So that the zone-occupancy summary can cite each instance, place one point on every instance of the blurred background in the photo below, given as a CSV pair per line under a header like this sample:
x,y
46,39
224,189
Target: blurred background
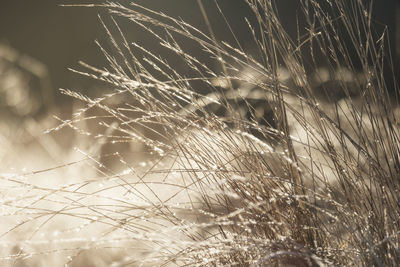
x,y
40,40
58,37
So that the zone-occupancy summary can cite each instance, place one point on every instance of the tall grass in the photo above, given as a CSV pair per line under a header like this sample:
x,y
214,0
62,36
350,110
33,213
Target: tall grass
x,y
261,162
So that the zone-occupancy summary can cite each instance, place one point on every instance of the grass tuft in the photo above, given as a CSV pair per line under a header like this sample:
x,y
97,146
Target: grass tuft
x,y
285,156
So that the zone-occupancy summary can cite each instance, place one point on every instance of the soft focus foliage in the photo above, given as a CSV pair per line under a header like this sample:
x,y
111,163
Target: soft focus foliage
x,y
286,157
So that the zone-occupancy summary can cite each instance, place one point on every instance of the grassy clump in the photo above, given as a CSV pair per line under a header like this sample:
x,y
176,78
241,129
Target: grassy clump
x,y
265,162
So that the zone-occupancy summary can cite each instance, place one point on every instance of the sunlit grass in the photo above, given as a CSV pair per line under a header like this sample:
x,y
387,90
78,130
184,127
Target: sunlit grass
x,y
260,163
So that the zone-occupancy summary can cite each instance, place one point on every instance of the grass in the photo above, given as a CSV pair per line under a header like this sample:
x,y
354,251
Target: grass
x,y
285,156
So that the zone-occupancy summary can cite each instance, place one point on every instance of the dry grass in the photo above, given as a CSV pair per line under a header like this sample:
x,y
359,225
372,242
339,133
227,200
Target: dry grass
x,y
261,163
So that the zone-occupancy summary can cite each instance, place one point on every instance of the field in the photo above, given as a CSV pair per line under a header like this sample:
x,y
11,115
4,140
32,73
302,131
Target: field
x,y
276,150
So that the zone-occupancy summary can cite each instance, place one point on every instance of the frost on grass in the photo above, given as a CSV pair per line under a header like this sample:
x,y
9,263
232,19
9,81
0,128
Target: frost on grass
x,y
260,163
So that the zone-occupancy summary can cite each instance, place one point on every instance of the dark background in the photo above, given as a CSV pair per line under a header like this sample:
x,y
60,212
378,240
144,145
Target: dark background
x,y
61,36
